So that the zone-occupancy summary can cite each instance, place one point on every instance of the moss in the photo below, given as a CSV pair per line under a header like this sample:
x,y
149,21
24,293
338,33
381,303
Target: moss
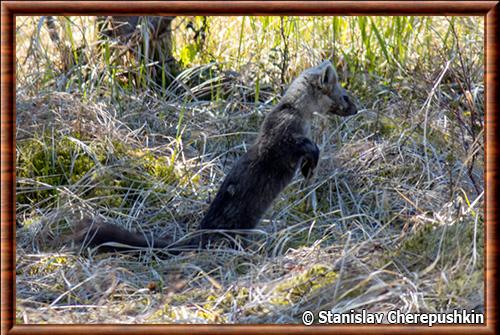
x,y
54,162
214,315
59,161
49,264
19,317
304,237
207,305
300,286
166,312
439,139
158,167
195,295
238,296
421,248
176,306
387,129
216,307
162,168
462,285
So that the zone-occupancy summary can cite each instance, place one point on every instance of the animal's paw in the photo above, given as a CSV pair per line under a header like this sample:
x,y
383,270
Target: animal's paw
x,y
310,160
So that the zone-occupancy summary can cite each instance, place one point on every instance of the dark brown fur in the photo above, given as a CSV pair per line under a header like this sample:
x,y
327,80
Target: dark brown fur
x,y
259,176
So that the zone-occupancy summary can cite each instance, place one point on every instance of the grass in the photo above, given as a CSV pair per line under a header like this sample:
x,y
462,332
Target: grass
x,y
392,220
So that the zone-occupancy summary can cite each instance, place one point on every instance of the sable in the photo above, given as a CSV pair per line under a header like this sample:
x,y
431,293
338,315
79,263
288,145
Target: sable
x,y
260,175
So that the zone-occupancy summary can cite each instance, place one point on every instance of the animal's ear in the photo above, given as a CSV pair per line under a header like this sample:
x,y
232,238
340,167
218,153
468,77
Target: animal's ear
x,y
328,76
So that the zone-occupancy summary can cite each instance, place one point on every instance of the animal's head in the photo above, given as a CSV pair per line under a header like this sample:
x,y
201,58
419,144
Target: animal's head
x,y
323,90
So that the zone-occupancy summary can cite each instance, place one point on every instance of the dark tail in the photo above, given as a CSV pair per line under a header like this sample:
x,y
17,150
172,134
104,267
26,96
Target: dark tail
x,y
108,237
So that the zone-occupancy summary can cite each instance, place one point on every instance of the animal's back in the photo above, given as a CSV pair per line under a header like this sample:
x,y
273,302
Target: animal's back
x,y
249,189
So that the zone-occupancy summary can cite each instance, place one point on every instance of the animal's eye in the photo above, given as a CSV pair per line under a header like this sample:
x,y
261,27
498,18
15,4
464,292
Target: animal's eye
x,y
346,98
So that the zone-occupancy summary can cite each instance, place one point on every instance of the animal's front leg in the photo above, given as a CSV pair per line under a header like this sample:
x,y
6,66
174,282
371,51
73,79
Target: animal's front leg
x,y
310,156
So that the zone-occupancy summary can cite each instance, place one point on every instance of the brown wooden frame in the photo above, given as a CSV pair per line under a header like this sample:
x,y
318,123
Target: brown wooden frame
x,y
488,9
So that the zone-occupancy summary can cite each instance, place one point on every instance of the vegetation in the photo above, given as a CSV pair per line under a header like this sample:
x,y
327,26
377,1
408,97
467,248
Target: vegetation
x,y
393,218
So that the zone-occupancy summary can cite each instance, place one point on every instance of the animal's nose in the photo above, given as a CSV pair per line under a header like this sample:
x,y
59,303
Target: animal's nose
x,y
351,106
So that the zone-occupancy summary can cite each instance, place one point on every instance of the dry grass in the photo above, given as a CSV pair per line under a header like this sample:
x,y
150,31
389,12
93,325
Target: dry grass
x,y
392,220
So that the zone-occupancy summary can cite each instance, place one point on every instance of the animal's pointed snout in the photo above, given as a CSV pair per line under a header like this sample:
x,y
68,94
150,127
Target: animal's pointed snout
x,y
351,105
